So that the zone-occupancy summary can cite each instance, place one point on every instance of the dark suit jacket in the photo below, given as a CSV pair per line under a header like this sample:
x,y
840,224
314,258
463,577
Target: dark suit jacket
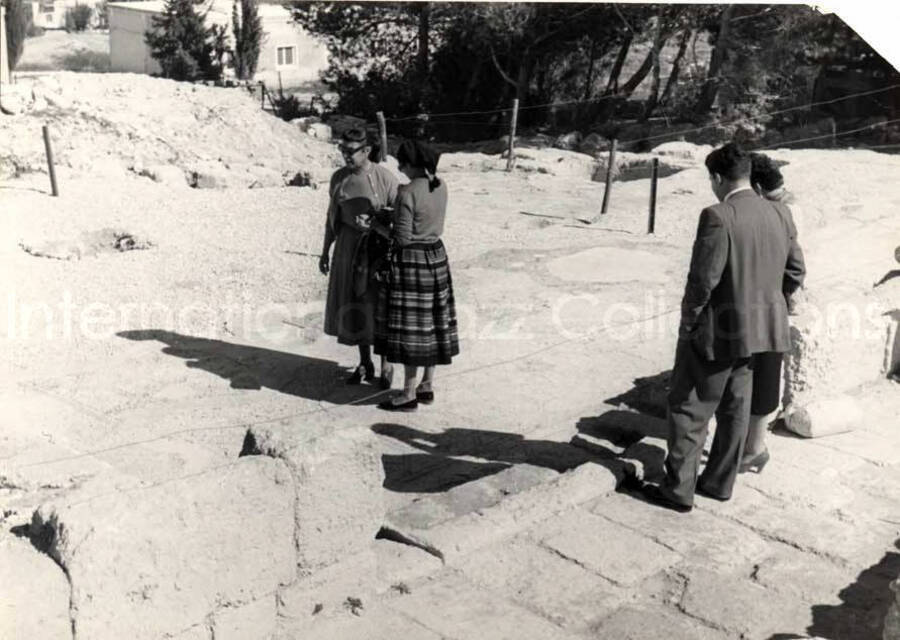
x,y
745,264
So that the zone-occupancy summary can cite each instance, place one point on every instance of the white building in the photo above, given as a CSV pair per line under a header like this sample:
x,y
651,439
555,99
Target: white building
x,y
286,48
51,14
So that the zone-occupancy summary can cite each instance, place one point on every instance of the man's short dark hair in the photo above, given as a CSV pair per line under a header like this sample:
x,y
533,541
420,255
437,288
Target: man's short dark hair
x,y
729,161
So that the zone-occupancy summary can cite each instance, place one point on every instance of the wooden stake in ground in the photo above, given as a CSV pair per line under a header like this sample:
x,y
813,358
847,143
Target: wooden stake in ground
x,y
49,150
609,173
654,176
262,95
382,135
511,152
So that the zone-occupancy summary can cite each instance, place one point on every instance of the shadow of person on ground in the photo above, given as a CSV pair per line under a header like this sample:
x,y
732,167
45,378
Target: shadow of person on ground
x,y
441,468
647,395
255,368
864,604
636,439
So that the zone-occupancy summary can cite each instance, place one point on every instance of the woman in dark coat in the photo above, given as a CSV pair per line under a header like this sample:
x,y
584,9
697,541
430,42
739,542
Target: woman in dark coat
x,y
768,182
416,323
357,191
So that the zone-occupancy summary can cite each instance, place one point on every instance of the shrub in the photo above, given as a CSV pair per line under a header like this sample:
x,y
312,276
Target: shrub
x,y
86,60
288,107
35,31
78,18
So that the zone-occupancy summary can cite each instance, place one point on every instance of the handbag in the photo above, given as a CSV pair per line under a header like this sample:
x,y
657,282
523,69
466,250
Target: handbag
x,y
371,262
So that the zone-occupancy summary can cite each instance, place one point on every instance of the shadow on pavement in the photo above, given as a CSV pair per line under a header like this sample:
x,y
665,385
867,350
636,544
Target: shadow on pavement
x,y
442,468
255,368
864,604
647,395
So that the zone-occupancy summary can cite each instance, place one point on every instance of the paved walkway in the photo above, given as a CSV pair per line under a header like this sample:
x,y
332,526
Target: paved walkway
x,y
530,550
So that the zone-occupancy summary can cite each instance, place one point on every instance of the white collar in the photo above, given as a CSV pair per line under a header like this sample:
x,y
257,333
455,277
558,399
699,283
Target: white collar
x,y
734,191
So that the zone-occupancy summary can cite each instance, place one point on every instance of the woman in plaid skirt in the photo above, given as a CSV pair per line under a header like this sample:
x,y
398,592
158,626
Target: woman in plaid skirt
x,y
416,317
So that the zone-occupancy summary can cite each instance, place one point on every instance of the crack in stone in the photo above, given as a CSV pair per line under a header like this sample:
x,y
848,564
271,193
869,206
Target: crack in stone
x,y
651,537
580,564
771,537
685,581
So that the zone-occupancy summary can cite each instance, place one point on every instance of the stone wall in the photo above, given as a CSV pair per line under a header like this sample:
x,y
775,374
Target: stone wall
x,y
225,553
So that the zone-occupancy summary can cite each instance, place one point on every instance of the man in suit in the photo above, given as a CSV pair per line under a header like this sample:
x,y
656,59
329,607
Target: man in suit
x,y
745,263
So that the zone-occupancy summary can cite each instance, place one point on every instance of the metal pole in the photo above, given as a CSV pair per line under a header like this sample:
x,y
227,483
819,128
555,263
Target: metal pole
x,y
511,155
49,150
609,174
651,221
382,134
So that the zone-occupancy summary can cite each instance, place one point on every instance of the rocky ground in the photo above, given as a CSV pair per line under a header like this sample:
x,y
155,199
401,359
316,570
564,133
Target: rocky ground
x,y
131,380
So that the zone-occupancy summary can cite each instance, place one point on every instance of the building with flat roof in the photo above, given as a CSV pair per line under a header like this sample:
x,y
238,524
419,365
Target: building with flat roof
x,y
286,48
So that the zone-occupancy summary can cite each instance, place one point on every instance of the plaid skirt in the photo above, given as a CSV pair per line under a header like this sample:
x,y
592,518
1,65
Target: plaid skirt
x,y
415,320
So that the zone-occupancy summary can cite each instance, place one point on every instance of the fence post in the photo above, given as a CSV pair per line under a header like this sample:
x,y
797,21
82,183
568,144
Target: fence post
x,y
510,158
382,134
609,175
49,150
651,221
262,95
280,86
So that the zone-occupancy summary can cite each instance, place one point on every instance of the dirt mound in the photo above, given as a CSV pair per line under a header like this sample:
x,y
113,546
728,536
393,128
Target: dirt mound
x,y
108,124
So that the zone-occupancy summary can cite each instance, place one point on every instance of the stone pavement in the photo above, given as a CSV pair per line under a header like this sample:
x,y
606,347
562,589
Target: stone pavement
x,y
497,543
502,518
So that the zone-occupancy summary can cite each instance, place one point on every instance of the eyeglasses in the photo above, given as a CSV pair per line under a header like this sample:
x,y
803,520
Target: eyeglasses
x,y
349,152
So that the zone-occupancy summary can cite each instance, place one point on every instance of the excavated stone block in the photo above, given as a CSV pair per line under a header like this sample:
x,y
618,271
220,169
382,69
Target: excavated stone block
x,y
154,561
837,345
823,417
339,476
839,342
319,130
34,594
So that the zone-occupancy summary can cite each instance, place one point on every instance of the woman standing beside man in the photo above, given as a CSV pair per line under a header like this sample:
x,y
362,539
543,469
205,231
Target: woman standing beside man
x,y
768,182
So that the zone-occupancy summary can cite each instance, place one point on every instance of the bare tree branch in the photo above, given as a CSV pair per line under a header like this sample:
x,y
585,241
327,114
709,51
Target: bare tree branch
x,y
502,73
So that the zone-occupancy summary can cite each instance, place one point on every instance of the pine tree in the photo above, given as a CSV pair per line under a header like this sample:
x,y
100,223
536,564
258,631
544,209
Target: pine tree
x,y
248,37
18,20
182,44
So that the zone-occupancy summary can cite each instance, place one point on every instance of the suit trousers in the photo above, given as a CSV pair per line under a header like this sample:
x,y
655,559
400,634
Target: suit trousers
x,y
699,389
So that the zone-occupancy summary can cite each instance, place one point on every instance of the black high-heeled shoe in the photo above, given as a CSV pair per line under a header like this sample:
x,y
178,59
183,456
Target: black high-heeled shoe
x,y
756,463
362,372
425,397
389,405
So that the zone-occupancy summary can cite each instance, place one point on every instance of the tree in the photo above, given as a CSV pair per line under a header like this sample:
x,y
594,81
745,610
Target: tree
x,y
78,18
248,37
18,21
182,44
